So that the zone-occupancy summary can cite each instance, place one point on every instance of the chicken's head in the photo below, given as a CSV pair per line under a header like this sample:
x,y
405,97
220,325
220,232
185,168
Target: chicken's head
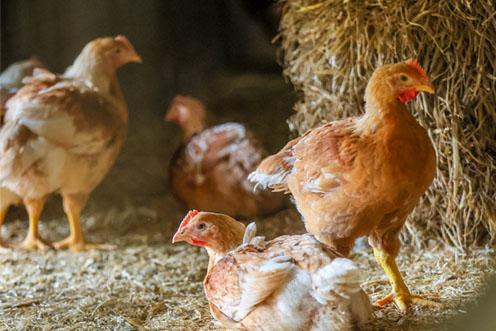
x,y
187,112
114,52
401,81
218,232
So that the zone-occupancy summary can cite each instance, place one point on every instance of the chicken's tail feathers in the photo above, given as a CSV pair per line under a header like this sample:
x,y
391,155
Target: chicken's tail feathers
x,y
340,281
274,170
250,237
250,233
276,182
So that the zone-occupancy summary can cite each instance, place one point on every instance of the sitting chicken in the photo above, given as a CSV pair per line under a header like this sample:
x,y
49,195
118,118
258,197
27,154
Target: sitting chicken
x,y
209,170
63,133
10,82
289,283
362,175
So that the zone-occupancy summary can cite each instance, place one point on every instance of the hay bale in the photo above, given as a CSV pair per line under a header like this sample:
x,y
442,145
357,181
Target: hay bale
x,y
331,47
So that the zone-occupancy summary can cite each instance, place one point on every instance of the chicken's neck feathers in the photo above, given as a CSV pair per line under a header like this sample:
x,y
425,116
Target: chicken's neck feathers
x,y
92,69
192,128
382,112
101,77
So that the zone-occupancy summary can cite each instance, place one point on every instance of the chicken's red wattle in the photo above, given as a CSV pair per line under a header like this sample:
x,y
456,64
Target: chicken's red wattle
x,y
407,95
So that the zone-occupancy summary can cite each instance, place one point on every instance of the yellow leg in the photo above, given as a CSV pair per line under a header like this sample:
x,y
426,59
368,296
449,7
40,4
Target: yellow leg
x,y
33,240
400,293
73,204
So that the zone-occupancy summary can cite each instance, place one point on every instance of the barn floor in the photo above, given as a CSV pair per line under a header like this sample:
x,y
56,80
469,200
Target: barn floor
x,y
146,283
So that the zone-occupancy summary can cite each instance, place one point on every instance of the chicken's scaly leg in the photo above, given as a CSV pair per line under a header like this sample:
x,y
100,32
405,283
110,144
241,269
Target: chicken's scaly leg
x,y
73,204
400,293
33,240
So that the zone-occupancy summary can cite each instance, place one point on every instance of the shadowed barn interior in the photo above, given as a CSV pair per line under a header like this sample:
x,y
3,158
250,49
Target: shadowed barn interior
x,y
221,52
217,51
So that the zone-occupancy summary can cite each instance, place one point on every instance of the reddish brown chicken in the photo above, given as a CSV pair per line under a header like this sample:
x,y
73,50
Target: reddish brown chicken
x,y
63,133
209,170
362,176
289,283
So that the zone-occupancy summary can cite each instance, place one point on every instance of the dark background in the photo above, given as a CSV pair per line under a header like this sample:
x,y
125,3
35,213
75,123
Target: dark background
x,y
217,50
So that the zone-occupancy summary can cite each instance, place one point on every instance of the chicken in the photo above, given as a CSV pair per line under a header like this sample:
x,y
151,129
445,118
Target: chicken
x,y
289,283
63,133
12,76
209,170
11,81
362,176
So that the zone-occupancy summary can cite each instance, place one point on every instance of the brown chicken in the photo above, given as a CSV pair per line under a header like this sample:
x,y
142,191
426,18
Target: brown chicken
x,y
289,283
362,176
63,133
209,170
10,82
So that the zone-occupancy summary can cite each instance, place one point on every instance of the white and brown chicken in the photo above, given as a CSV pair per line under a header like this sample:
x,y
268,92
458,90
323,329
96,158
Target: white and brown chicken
x,y
63,133
288,283
209,170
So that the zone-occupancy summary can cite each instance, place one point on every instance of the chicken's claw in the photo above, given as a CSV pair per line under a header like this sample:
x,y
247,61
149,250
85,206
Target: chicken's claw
x,y
404,302
81,245
32,244
381,303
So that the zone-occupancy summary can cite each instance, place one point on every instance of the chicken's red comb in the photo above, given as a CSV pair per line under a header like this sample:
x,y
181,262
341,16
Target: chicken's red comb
x,y
412,63
189,216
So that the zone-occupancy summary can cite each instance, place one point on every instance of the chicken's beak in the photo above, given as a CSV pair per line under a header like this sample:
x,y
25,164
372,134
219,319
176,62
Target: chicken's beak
x,y
135,58
425,88
178,237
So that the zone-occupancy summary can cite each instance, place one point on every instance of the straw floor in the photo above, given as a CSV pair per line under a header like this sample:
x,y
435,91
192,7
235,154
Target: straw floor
x,y
146,283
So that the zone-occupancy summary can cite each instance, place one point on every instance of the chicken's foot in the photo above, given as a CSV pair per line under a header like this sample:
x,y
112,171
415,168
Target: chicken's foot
x,y
418,299
73,205
400,295
77,244
33,240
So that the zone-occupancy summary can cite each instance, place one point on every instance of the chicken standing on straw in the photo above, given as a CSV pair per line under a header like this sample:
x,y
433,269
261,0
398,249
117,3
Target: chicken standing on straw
x,y
63,133
10,82
210,168
289,283
362,176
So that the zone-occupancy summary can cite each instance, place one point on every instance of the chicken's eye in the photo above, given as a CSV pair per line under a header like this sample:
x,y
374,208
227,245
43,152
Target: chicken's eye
x,y
118,50
403,78
201,226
